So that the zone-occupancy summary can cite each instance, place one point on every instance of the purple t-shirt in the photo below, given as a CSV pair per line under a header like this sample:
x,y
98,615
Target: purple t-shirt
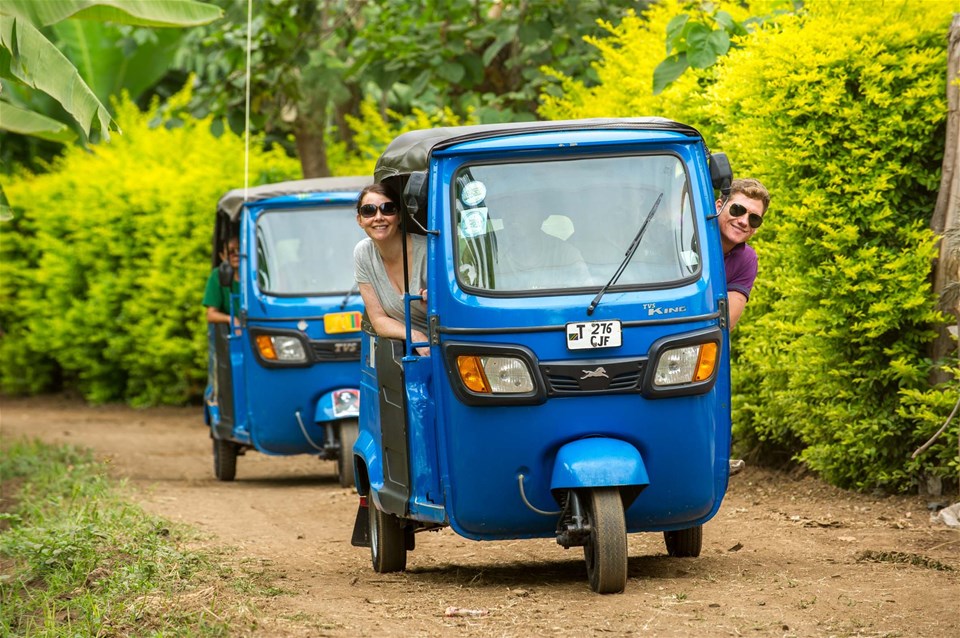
x,y
741,266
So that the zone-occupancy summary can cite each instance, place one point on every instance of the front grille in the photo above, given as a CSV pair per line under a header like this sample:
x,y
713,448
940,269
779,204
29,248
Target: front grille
x,y
348,350
593,376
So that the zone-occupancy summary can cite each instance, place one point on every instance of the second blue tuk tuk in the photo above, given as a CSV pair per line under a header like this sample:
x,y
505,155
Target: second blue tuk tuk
x,y
578,379
284,378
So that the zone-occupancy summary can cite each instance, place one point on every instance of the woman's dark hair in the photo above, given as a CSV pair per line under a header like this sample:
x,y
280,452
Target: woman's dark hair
x,y
379,189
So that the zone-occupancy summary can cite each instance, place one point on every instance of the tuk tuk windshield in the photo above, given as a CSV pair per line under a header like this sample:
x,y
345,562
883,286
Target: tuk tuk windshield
x,y
568,223
307,251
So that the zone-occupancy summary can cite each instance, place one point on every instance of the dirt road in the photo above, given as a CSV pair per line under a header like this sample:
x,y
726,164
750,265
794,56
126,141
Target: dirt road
x,y
785,556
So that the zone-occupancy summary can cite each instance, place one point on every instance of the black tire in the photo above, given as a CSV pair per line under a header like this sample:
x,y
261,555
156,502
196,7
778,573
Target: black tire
x,y
684,543
606,551
349,430
224,459
388,546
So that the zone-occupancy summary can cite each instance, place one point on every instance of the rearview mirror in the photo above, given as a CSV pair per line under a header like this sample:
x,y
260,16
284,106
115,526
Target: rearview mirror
x,y
225,273
721,174
415,193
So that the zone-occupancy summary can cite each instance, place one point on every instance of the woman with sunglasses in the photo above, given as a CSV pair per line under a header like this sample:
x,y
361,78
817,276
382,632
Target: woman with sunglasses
x,y
740,215
378,261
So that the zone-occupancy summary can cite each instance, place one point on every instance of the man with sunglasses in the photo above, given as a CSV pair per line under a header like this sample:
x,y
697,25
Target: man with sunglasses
x,y
216,297
740,215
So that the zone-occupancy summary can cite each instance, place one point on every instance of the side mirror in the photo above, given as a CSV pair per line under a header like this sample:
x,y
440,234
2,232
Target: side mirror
x,y
225,274
721,175
415,193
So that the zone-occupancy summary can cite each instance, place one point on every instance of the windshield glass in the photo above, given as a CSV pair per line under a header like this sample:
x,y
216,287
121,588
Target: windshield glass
x,y
566,224
307,251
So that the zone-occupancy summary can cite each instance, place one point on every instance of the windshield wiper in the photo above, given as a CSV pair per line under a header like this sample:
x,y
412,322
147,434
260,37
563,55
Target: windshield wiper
x,y
628,256
350,293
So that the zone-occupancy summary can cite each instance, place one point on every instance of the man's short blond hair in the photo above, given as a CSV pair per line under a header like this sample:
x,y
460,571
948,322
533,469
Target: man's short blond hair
x,y
753,189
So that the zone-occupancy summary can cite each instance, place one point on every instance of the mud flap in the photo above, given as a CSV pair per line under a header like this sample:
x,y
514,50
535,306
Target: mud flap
x,y
361,526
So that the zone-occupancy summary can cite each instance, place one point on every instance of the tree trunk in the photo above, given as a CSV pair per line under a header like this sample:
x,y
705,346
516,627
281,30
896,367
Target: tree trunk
x,y
311,149
340,111
945,222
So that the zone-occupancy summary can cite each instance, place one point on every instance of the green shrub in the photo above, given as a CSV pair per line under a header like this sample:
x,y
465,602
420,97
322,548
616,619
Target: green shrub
x,y
847,127
105,261
840,109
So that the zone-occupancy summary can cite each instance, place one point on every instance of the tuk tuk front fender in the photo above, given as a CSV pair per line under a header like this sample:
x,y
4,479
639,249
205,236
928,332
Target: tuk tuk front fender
x,y
368,466
600,462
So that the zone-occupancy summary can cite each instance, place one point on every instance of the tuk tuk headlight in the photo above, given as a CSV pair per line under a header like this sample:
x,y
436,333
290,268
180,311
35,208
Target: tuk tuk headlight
x,y
686,364
494,375
281,348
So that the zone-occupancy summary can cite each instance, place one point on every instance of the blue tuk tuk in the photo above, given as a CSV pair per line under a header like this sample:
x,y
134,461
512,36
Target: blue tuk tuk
x,y
284,376
578,378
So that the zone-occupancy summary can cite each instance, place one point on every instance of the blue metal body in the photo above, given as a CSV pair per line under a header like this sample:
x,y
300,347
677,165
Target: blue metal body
x,y
466,460
283,410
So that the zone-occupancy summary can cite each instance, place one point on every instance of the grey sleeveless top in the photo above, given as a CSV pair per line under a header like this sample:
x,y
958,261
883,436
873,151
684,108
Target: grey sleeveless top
x,y
369,269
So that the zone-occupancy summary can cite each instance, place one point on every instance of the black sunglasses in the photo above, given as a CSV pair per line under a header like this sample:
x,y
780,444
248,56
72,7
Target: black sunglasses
x,y
739,210
387,208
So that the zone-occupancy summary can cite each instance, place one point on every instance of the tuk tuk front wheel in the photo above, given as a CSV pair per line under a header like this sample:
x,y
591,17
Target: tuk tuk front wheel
x,y
606,549
349,430
388,547
224,459
684,543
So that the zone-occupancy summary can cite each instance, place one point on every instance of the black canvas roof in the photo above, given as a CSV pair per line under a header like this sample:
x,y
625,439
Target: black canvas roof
x,y
411,151
231,203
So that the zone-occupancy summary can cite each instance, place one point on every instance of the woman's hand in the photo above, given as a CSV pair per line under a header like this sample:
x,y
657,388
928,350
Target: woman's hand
x,y
419,337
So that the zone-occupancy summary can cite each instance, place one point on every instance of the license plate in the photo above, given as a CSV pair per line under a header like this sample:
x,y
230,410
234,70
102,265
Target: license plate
x,y
587,335
337,322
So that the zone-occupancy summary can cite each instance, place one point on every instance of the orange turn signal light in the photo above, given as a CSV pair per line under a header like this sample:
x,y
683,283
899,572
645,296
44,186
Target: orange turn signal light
x,y
472,375
265,345
706,362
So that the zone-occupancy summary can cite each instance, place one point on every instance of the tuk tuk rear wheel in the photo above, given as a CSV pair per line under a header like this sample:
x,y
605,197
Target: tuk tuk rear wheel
x,y
349,430
224,459
606,549
684,543
388,547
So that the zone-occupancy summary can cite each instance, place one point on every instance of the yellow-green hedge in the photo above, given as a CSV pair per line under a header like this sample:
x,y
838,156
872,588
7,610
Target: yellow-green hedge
x,y
105,261
840,109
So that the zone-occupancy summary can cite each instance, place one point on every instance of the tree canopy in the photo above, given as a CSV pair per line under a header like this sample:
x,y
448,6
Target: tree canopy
x,y
314,61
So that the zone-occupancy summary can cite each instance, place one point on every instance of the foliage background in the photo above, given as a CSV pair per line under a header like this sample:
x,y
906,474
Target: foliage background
x,y
107,255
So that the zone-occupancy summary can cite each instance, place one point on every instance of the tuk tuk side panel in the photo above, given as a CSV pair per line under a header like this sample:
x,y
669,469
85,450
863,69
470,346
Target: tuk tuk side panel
x,y
368,447
237,392
218,395
403,474
427,497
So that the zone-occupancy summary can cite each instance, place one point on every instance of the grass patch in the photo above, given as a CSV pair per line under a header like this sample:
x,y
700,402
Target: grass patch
x,y
76,559
903,558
